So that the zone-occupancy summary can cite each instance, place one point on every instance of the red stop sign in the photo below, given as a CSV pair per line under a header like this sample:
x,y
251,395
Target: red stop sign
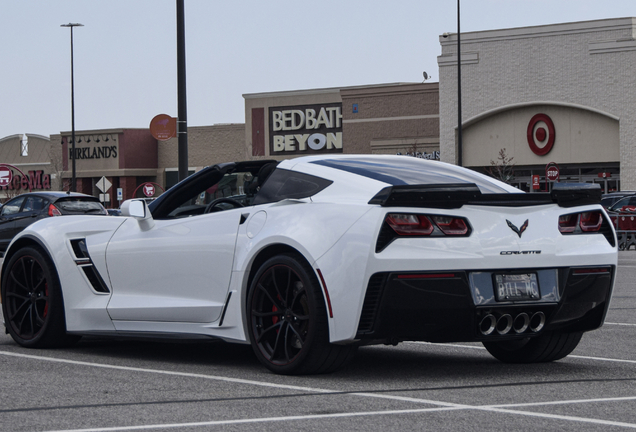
x,y
552,173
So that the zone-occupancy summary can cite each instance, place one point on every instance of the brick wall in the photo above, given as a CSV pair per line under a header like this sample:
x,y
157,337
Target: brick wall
x,y
399,116
207,145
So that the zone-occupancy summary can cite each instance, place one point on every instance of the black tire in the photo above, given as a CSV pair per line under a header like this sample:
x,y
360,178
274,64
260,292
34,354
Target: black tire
x,y
32,302
545,348
287,320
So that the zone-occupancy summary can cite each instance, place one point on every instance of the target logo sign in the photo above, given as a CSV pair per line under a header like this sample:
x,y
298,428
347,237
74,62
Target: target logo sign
x,y
541,134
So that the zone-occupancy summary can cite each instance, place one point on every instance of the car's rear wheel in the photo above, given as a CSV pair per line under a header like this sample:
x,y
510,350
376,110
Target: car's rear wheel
x,y
545,348
32,301
287,319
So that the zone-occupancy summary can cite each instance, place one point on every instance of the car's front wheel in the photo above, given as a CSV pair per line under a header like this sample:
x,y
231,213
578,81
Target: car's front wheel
x,y
545,348
32,301
288,319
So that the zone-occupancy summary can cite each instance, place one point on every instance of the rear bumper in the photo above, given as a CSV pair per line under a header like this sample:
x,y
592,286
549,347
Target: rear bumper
x,y
461,306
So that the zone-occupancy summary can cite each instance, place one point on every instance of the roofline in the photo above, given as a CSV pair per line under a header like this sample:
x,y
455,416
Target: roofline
x,y
329,90
625,23
497,110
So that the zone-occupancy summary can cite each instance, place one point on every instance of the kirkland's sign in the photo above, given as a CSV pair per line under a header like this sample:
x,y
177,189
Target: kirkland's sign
x,y
104,152
305,129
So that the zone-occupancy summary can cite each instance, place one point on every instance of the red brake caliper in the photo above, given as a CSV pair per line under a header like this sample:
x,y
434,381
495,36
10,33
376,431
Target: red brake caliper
x,y
274,318
46,305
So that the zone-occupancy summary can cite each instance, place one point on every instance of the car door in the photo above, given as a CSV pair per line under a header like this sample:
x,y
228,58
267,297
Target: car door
x,y
8,215
177,271
32,210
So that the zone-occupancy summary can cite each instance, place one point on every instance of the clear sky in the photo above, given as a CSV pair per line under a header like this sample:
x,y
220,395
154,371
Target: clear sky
x,y
125,55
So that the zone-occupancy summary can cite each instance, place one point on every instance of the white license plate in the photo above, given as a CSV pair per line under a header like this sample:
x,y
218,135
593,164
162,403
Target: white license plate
x,y
510,287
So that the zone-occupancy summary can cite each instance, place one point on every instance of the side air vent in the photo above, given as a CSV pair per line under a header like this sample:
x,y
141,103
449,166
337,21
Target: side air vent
x,y
83,261
371,303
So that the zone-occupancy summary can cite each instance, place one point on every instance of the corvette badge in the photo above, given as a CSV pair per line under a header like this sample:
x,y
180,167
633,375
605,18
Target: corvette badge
x,y
519,231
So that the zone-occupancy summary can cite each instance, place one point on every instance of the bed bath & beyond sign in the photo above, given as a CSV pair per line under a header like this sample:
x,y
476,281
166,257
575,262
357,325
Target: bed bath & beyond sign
x,y
306,129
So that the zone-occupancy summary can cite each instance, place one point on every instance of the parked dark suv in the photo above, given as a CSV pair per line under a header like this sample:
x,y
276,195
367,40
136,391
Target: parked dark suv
x,y
21,211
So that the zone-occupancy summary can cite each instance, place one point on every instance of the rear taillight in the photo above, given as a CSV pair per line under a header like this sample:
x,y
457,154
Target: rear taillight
x,y
54,211
567,223
591,221
425,225
451,225
420,225
409,224
587,222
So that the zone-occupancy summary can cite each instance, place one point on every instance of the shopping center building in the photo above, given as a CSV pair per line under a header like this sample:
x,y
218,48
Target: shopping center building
x,y
561,94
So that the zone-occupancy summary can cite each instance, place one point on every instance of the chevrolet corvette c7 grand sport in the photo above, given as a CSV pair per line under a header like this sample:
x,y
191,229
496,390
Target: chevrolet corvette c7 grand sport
x,y
309,258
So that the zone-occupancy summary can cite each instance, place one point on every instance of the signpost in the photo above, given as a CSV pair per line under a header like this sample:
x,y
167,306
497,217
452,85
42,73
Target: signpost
x,y
149,190
103,185
552,172
163,127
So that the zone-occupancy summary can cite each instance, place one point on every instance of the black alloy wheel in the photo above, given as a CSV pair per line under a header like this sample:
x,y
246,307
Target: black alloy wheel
x,y
32,301
287,316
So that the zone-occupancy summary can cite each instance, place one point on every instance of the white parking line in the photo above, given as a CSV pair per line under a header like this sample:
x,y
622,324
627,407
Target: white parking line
x,y
503,409
569,356
493,408
621,324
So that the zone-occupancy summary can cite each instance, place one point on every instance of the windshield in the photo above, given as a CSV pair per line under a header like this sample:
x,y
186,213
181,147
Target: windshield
x,y
233,186
620,204
214,188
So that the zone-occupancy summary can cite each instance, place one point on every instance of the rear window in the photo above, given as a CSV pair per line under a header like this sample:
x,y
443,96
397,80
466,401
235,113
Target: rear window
x,y
412,171
284,184
79,206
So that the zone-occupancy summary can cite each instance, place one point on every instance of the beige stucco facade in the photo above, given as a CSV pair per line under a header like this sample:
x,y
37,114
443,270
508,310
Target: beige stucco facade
x,y
584,136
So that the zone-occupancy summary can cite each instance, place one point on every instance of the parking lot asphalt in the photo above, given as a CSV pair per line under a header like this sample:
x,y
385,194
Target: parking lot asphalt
x,y
121,385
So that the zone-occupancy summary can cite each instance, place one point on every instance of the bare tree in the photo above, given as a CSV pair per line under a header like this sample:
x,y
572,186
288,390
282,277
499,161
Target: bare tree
x,y
414,151
503,168
57,168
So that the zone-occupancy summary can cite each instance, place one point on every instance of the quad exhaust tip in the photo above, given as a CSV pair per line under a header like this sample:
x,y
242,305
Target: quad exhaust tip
x,y
521,323
506,323
537,322
488,325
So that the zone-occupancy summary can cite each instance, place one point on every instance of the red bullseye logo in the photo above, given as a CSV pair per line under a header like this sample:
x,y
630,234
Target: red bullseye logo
x,y
541,134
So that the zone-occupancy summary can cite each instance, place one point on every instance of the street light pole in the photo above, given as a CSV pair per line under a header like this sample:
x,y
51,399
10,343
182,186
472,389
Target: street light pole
x,y
73,179
459,94
182,114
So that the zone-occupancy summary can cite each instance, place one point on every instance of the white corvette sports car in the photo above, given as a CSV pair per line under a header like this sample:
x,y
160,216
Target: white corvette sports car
x,y
309,258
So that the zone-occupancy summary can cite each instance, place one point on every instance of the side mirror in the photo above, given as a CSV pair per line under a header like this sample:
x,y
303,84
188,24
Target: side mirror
x,y
138,209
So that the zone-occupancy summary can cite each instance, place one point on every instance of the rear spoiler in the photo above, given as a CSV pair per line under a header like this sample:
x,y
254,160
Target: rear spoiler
x,y
454,196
